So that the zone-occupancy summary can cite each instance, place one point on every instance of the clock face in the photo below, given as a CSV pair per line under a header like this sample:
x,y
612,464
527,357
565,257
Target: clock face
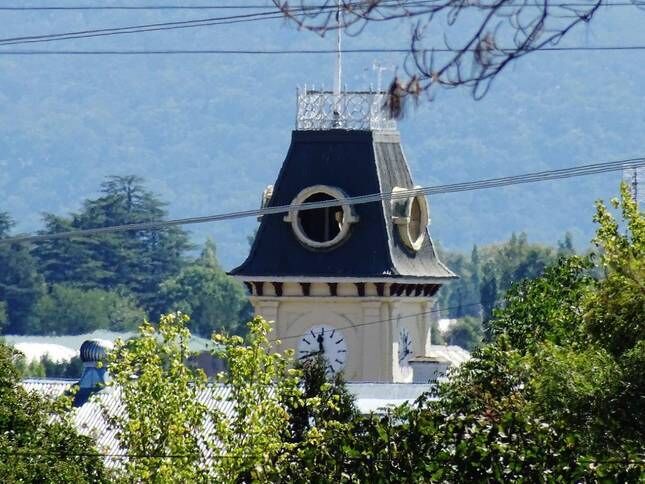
x,y
326,341
405,347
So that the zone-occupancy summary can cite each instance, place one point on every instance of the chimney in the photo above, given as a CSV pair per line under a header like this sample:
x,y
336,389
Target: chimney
x,y
428,369
95,375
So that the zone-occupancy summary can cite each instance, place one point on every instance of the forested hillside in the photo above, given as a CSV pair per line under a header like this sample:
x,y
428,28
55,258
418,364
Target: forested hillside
x,y
208,132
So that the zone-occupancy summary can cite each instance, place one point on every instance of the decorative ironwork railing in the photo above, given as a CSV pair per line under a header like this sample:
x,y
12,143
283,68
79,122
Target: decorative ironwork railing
x,y
321,110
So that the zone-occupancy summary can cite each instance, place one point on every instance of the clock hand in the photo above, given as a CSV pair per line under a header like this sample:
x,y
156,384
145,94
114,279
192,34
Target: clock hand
x,y
320,340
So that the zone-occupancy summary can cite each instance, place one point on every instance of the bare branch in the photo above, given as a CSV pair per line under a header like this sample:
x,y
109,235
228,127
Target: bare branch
x,y
482,37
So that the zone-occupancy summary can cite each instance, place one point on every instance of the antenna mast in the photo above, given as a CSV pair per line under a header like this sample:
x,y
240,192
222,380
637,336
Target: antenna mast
x,y
339,59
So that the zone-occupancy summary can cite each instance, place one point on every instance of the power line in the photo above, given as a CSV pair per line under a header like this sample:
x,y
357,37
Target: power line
x,y
297,51
231,19
369,323
140,7
267,7
582,170
241,18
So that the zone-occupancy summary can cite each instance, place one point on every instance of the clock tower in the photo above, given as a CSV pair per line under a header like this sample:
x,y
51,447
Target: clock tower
x,y
354,283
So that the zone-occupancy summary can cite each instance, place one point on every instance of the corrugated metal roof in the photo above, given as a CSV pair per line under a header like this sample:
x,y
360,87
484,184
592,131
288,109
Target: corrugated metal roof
x,y
90,419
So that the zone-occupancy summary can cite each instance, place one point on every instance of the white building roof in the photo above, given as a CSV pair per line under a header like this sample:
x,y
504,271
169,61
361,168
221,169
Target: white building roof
x,y
64,348
456,355
54,352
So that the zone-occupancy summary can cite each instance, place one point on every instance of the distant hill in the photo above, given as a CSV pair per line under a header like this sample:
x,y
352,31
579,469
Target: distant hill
x,y
210,132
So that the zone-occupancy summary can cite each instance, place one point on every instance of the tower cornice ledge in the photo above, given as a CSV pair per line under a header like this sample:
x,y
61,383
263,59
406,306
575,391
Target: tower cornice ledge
x,y
351,280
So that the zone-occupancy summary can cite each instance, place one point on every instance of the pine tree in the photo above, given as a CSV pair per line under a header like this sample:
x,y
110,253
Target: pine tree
x,y
134,261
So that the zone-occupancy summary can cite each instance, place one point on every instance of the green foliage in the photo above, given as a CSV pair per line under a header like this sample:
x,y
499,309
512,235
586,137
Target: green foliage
x,y
214,300
618,303
162,415
435,335
49,368
20,283
255,437
111,281
38,442
326,399
6,223
490,271
545,308
71,310
552,397
135,260
467,332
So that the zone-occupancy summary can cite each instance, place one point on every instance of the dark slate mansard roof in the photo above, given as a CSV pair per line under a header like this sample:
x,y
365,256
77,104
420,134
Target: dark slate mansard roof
x,y
359,163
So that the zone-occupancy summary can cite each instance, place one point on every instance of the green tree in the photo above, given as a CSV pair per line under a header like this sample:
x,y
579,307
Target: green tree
x,y
255,435
20,283
208,256
214,300
488,291
565,247
326,399
467,332
38,442
72,310
5,224
163,416
436,337
49,368
490,271
135,260
70,260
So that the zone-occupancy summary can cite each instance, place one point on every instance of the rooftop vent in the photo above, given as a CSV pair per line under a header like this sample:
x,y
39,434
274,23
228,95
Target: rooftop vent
x,y
95,375
357,110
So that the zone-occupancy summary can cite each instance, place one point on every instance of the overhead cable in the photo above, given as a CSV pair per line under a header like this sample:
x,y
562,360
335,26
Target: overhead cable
x,y
272,7
299,51
82,34
387,320
582,170
180,24
241,18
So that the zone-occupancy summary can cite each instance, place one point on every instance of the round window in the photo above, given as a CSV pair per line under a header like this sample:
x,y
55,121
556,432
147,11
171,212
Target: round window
x,y
321,227
410,214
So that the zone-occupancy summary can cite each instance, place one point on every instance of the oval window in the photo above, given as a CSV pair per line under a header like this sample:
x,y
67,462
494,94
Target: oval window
x,y
410,214
321,224
322,227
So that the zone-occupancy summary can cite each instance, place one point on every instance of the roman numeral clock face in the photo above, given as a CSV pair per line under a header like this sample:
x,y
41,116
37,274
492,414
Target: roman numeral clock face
x,y
327,342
